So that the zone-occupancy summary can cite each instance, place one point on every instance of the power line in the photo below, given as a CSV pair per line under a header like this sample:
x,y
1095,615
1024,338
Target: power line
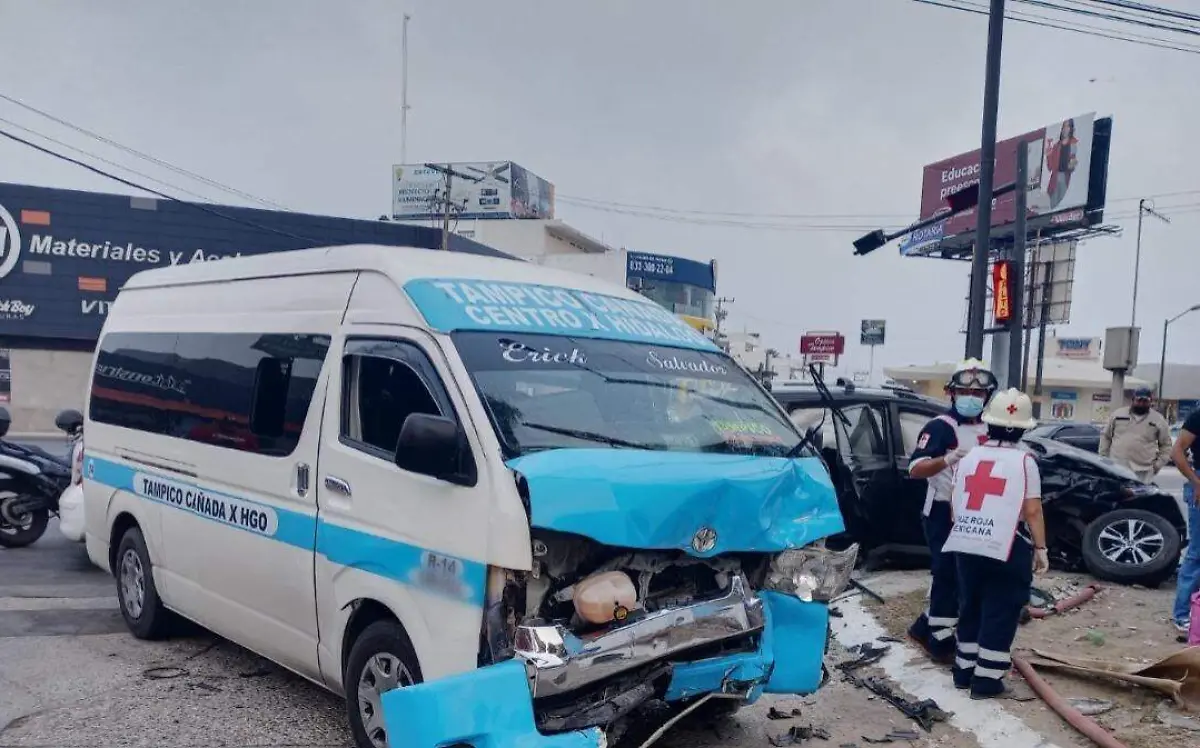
x,y
101,159
139,154
1046,22
1149,9
1112,17
152,191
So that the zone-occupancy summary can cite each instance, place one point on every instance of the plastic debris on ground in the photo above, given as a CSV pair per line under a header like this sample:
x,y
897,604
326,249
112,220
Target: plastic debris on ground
x,y
776,713
798,734
924,712
1091,707
894,736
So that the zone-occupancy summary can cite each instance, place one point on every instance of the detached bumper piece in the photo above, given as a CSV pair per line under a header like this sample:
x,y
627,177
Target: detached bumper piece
x,y
485,708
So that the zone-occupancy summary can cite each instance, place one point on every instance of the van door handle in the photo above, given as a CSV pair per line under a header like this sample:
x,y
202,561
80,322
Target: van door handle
x,y
337,484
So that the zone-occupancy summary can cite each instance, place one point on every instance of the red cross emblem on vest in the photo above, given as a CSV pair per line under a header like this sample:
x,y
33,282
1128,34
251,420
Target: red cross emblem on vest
x,y
982,484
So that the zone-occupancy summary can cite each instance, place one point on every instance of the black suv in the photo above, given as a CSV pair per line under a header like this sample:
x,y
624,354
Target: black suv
x,y
1099,517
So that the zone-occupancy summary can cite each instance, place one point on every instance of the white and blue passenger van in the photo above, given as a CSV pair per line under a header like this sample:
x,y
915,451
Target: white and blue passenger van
x,y
490,503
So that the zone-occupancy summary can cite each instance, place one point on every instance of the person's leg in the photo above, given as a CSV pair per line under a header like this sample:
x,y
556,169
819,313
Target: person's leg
x,y
971,585
943,593
1006,596
1188,580
934,629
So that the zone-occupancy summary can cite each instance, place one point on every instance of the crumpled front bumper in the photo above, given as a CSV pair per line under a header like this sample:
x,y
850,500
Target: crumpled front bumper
x,y
492,707
486,708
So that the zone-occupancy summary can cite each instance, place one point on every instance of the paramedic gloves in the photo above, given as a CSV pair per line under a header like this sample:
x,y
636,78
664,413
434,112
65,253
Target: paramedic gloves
x,y
1041,561
953,458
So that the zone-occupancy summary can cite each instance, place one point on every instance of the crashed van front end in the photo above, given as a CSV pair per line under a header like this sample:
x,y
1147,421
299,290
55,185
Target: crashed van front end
x,y
657,577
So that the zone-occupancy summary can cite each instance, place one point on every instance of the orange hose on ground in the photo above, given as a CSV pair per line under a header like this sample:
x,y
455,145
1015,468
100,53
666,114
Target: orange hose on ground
x,y
1085,725
1081,597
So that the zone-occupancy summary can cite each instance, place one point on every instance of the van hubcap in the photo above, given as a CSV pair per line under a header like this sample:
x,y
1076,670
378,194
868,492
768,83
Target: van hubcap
x,y
1131,541
382,673
133,584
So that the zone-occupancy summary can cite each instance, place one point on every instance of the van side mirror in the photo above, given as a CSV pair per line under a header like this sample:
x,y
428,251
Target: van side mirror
x,y
69,421
433,445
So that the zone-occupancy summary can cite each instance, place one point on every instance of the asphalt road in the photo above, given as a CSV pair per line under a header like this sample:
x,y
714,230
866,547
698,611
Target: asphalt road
x,y
72,677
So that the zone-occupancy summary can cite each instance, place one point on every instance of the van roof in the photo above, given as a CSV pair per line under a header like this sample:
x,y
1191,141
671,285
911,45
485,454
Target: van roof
x,y
401,264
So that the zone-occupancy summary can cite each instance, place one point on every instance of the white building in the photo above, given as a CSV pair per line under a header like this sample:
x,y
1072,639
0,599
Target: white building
x,y
1075,384
749,350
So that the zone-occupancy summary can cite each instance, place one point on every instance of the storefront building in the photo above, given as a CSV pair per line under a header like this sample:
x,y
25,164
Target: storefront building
x,y
686,287
64,254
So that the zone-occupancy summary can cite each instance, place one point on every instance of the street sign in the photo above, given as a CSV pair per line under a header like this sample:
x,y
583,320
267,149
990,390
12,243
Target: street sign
x,y
874,332
822,347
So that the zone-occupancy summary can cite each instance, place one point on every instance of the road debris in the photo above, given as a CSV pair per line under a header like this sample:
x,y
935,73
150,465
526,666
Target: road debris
x,y
894,736
1177,675
798,734
164,673
1085,725
1092,636
1171,719
925,712
1090,707
867,591
776,713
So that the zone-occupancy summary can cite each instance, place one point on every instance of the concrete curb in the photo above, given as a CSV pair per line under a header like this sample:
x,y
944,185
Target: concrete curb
x,y
38,435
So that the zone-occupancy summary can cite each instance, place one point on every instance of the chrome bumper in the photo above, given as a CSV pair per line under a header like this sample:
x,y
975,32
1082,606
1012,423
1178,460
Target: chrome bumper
x,y
557,661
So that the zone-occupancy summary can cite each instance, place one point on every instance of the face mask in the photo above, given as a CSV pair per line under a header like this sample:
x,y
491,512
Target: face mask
x,y
968,406
1140,410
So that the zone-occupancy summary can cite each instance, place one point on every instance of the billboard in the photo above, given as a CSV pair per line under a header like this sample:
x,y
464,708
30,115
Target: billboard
x,y
644,266
64,254
822,347
1067,168
479,190
873,332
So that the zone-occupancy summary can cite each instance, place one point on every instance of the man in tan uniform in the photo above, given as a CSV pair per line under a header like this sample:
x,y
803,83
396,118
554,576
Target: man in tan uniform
x,y
1138,438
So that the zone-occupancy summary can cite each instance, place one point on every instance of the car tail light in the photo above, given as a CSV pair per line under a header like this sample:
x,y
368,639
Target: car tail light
x,y
77,464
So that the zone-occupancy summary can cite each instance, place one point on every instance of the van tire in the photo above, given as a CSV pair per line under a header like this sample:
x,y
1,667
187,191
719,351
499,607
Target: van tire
x,y
141,607
383,649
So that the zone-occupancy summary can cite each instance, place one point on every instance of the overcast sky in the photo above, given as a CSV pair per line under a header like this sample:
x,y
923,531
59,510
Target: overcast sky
x,y
821,107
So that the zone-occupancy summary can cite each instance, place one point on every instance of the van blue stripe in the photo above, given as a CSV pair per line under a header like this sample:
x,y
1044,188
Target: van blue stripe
x,y
460,579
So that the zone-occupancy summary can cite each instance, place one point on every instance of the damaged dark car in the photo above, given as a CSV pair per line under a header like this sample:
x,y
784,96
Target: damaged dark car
x,y
1099,517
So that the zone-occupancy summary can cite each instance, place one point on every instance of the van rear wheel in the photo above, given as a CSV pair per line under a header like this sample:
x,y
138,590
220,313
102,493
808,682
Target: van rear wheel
x,y
141,606
381,659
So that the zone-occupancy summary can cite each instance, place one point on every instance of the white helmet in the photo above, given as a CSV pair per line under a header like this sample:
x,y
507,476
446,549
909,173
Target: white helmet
x,y
972,374
1010,409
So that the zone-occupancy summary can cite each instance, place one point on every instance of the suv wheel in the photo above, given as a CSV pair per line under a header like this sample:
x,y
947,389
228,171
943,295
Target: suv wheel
x,y
1131,546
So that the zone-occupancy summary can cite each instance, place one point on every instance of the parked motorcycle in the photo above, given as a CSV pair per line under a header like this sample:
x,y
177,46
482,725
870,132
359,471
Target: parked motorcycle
x,y
31,481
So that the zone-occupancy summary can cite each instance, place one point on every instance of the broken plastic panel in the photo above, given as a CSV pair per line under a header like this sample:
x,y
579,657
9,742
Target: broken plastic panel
x,y
812,573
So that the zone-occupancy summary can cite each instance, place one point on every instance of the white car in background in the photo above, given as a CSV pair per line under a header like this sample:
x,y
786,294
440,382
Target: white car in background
x,y
70,503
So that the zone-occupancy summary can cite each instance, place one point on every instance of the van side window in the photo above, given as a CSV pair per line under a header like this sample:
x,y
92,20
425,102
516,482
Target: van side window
x,y
245,391
384,382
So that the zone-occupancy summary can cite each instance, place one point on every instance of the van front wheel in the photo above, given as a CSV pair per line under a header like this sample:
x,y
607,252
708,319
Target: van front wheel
x,y
381,659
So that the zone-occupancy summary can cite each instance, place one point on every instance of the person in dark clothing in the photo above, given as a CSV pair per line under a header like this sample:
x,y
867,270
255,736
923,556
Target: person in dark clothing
x,y
943,442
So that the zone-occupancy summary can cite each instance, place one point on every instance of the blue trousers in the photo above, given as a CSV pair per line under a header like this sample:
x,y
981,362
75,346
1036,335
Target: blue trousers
x,y
993,593
1189,571
934,629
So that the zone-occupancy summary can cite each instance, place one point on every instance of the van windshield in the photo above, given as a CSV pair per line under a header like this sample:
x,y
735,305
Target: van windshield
x,y
550,392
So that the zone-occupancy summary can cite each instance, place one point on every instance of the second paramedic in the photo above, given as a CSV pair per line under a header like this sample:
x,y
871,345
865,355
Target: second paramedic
x,y
943,442
999,542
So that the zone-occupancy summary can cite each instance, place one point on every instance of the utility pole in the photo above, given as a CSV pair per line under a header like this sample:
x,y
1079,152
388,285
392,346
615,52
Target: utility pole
x,y
1016,322
447,204
404,90
719,315
987,164
1143,209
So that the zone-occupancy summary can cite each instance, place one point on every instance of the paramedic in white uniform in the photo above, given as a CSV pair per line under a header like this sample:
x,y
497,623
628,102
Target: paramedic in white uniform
x,y
999,541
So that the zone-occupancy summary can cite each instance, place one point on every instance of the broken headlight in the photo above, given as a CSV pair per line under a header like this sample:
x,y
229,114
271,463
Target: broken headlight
x,y
812,573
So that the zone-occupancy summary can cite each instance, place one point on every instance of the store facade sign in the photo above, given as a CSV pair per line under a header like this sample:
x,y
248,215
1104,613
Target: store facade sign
x,y
481,190
1001,291
64,254
1078,347
1062,405
822,347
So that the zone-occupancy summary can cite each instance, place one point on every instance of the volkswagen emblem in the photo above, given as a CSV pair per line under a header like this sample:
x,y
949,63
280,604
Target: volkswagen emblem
x,y
704,540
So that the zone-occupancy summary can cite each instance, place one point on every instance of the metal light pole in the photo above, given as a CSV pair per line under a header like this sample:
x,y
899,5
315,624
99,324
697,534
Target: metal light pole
x,y
404,90
1162,361
1137,257
1016,323
987,164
